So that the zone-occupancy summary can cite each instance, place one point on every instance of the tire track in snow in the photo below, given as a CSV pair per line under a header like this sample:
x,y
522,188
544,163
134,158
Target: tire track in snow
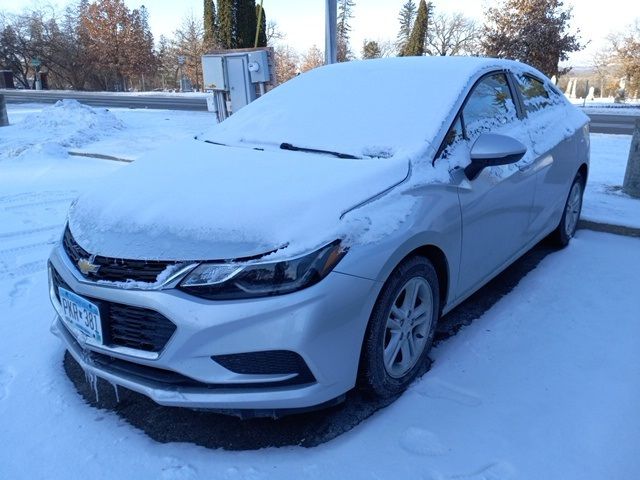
x,y
436,388
494,471
9,199
26,233
25,248
38,204
24,269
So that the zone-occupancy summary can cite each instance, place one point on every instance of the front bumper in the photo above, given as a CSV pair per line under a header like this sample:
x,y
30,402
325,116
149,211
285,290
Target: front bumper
x,y
324,324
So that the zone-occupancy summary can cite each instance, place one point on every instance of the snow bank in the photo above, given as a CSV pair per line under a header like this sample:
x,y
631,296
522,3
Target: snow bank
x,y
56,128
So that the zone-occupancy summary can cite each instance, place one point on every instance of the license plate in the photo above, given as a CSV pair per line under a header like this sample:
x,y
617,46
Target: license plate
x,y
81,315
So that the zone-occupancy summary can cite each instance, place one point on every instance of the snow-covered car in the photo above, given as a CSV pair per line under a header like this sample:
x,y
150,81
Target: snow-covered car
x,y
310,243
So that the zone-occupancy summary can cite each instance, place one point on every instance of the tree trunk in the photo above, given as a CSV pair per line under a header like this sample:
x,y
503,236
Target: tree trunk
x,y
631,185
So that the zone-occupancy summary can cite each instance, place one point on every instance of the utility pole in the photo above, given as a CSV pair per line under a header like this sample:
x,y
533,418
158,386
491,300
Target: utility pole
x,y
330,41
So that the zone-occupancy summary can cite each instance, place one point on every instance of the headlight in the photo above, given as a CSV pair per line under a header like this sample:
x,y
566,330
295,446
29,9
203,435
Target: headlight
x,y
229,281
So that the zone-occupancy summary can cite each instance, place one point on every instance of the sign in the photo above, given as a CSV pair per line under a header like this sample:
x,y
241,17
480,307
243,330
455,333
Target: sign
x,y
181,59
35,62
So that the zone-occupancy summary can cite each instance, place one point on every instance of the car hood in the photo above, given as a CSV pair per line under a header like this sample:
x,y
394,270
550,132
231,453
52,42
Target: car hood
x,y
199,201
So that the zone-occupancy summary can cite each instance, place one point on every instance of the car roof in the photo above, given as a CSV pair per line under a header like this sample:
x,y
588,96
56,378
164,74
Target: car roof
x,y
367,108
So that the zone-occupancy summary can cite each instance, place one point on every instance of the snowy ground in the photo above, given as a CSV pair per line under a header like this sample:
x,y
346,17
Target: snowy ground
x,y
604,201
543,386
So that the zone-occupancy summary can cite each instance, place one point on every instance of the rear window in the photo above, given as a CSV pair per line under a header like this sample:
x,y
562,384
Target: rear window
x,y
534,93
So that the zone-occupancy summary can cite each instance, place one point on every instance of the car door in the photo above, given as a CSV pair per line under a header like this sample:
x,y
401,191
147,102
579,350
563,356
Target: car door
x,y
554,167
496,205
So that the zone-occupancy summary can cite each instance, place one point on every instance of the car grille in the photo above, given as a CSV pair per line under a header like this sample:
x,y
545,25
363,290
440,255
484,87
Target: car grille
x,y
270,362
174,379
126,325
114,269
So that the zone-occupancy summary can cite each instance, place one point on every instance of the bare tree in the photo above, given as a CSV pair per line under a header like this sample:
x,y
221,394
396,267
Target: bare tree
x,y
602,66
387,48
274,34
453,34
625,53
286,63
189,42
313,58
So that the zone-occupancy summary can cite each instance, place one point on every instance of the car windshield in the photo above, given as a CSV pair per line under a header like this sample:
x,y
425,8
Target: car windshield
x,y
361,109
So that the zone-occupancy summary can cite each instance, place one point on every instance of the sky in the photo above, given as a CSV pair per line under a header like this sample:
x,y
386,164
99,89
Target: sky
x,y
302,21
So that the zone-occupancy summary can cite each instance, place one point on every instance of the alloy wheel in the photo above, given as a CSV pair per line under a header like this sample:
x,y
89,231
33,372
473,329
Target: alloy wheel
x,y
408,326
572,212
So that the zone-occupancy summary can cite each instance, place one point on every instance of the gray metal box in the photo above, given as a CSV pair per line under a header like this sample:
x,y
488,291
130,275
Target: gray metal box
x,y
258,66
214,72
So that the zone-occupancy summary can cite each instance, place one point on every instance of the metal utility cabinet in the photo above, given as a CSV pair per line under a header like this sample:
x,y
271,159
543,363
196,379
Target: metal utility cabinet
x,y
236,78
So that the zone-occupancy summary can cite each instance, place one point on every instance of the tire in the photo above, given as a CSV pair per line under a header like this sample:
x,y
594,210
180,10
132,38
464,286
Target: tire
x,y
396,325
565,230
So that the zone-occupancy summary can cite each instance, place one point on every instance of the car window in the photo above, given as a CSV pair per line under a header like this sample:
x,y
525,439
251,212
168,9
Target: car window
x,y
490,104
534,93
454,134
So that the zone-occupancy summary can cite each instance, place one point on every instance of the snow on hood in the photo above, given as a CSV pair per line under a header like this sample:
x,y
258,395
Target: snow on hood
x,y
199,201
365,108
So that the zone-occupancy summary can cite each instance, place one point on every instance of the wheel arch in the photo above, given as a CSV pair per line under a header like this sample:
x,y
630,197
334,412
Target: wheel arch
x,y
439,260
584,171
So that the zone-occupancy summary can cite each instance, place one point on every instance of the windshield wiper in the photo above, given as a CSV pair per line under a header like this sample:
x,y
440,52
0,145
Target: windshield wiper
x,y
294,148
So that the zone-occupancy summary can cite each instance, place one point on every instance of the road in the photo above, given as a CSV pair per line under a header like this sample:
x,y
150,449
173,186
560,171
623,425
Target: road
x,y
102,99
600,122
608,123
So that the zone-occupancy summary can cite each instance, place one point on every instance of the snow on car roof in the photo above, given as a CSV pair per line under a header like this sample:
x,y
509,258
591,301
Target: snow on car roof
x,y
366,108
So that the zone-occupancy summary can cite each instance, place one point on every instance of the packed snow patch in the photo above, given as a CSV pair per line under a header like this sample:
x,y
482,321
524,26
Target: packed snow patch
x,y
604,201
65,124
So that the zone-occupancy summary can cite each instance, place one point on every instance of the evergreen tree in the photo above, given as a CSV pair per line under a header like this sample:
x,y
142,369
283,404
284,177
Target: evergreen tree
x,y
210,25
345,14
227,23
167,65
371,49
415,46
262,36
141,55
406,18
536,32
246,23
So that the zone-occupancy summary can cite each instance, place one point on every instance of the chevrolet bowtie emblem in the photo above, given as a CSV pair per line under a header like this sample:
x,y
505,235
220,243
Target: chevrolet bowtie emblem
x,y
86,266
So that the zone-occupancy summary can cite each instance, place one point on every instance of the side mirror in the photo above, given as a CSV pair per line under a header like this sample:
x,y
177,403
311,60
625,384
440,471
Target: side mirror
x,y
491,149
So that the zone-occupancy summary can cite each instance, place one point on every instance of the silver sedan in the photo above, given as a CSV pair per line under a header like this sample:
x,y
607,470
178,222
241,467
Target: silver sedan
x,y
309,244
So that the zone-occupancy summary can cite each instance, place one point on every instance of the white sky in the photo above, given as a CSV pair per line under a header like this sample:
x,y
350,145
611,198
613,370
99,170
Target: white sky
x,y
303,20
